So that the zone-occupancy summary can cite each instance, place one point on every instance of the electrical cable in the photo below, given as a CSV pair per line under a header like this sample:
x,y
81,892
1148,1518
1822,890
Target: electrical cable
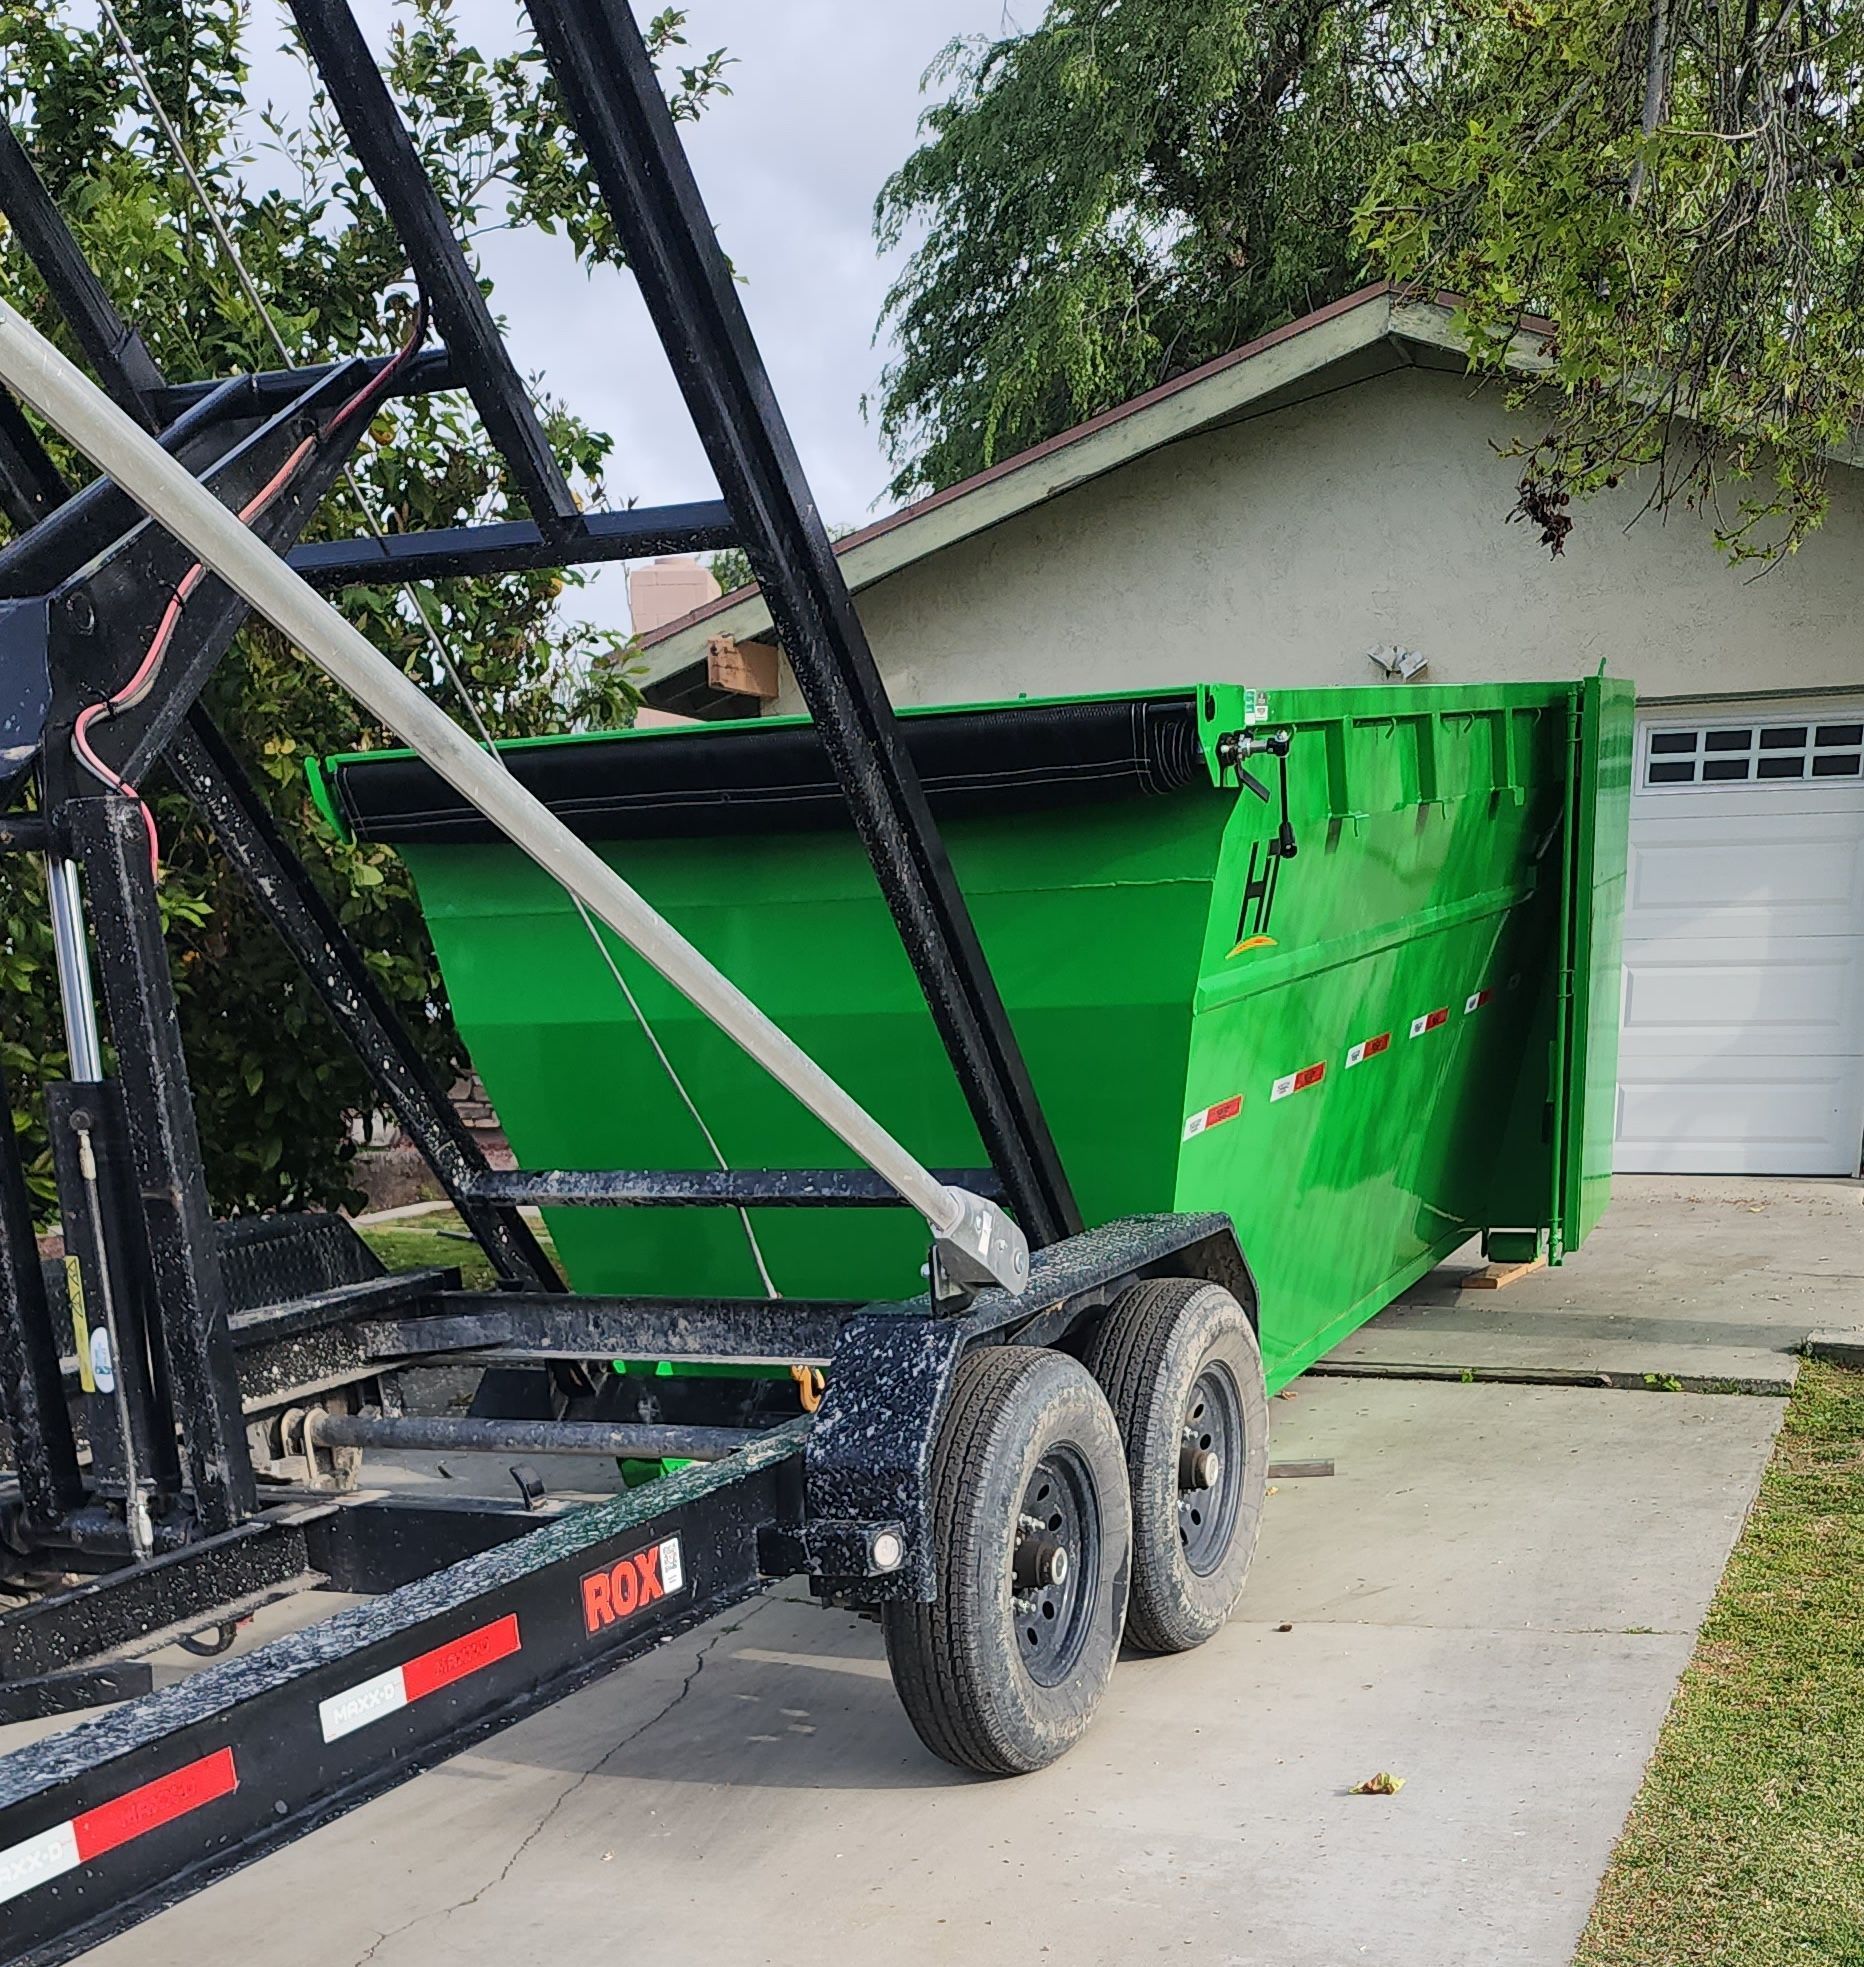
x,y
146,672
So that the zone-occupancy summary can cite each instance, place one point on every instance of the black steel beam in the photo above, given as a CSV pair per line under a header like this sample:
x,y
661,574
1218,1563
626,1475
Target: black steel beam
x,y
702,527
381,1543
748,1331
370,1297
282,887
429,370
386,151
180,1591
67,1693
710,1188
459,1434
32,1384
86,523
214,1772
112,845
106,616
30,486
113,348
615,102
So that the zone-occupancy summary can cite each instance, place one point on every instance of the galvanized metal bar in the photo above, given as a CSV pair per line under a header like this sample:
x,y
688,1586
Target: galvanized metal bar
x,y
386,152
110,345
970,1233
280,884
190,1290
455,1434
704,526
615,101
708,1188
71,958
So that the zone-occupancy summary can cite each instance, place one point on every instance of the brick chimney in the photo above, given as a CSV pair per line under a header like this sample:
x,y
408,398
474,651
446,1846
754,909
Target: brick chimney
x,y
673,586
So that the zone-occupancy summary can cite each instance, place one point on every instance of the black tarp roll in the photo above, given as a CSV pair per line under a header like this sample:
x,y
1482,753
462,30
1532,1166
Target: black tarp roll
x,y
1021,757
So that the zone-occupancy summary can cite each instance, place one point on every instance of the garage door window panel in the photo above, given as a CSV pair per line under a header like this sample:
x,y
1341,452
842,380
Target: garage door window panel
x,y
1752,754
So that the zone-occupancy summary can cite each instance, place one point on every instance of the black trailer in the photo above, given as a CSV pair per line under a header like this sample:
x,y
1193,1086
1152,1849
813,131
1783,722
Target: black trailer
x,y
190,1402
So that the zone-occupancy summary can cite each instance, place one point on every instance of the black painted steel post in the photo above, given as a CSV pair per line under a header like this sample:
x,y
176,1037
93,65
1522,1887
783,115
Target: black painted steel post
x,y
32,1386
615,102
280,884
112,845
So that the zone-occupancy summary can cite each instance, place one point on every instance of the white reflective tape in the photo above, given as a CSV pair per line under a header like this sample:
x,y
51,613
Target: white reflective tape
x,y
672,1566
1355,1056
342,1714
1196,1125
1419,1026
1282,1087
37,1861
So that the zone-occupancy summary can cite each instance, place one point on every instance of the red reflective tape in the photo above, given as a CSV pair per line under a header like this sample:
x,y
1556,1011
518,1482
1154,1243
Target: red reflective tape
x,y
154,1804
427,1673
1213,1116
1310,1075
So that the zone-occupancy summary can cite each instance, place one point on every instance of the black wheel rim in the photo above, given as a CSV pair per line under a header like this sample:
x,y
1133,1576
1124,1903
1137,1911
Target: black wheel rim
x,y
1209,1493
1052,1604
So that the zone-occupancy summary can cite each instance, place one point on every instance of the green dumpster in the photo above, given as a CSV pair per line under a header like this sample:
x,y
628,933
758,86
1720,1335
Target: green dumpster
x,y
1399,1034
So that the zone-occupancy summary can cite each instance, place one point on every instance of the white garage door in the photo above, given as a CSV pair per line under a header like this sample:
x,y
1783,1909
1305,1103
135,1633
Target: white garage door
x,y
1743,1047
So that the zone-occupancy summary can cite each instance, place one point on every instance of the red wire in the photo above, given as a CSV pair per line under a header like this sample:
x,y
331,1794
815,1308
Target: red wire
x,y
368,394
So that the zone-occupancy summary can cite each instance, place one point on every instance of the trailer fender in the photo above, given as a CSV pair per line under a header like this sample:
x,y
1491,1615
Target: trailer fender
x,y
867,1469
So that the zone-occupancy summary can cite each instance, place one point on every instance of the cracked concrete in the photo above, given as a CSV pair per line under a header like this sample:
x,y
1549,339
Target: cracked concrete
x,y
1492,1598
714,1638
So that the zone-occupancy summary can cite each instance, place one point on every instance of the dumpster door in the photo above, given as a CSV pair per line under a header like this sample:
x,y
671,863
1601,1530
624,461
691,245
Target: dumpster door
x,y
1598,810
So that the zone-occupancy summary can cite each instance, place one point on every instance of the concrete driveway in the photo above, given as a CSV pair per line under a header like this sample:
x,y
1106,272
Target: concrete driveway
x,y
1492,1598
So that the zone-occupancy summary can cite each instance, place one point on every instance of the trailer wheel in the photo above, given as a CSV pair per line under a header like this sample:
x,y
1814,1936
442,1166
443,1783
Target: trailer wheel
x,y
1033,1542
1183,1373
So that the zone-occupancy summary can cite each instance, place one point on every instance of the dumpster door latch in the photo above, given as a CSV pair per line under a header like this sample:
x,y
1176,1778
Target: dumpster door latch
x,y
1232,748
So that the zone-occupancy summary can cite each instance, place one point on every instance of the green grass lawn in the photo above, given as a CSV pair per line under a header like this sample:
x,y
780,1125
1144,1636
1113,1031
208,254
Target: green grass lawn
x,y
424,1242
1746,1845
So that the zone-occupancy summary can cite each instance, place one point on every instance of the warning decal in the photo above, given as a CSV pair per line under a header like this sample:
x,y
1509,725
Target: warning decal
x,y
1213,1116
1298,1082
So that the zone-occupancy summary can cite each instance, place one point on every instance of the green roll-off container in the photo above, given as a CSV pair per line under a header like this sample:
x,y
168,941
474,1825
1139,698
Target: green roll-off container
x,y
1401,1033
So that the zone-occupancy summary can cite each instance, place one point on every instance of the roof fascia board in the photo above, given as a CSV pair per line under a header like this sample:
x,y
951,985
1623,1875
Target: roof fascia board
x,y
1063,468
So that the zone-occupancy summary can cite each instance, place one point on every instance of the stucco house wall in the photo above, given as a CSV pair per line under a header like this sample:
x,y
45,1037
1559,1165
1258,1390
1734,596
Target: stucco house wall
x,y
1281,549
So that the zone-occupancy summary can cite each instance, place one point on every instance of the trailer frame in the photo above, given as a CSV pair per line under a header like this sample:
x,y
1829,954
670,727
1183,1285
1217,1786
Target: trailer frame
x,y
174,1386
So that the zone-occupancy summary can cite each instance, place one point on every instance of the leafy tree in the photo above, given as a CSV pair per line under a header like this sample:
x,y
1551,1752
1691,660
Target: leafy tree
x,y
1674,186
273,1083
1128,190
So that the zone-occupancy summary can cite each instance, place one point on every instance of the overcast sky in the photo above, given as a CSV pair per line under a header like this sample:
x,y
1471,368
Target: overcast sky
x,y
825,99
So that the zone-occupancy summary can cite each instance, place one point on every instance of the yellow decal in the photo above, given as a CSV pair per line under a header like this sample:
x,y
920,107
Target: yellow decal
x,y
1253,942
80,1325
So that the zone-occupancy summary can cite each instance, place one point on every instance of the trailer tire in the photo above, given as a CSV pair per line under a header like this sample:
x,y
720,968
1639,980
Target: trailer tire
x,y
1183,1373
1003,1672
